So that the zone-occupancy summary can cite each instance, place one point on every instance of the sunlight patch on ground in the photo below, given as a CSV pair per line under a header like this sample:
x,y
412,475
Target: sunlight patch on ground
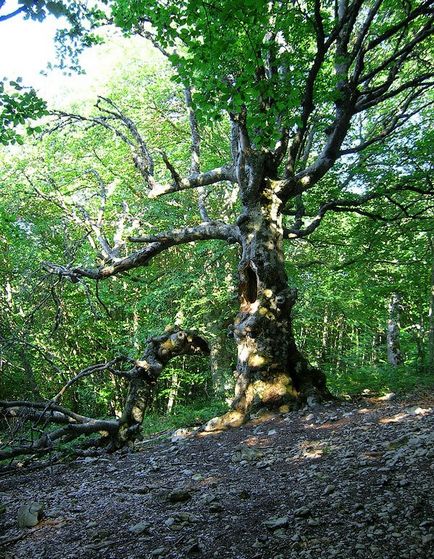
x,y
415,410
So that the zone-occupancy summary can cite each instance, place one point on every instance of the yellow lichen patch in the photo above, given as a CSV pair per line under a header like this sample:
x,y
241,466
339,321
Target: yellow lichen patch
x,y
284,408
275,390
256,360
137,413
283,379
167,345
229,419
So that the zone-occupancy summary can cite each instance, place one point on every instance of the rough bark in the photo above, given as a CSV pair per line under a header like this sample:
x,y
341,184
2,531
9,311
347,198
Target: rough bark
x,y
431,313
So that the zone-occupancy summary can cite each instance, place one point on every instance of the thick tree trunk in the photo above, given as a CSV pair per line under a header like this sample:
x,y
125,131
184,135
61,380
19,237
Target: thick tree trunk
x,y
271,372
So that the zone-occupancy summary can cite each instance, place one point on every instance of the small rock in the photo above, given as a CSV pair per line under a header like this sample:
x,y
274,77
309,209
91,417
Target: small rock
x,y
275,523
329,489
181,435
280,533
139,528
157,551
311,401
186,517
417,410
303,512
90,459
246,453
29,515
387,397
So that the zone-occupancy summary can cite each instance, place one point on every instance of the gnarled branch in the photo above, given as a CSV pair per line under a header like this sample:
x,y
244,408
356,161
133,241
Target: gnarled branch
x,y
141,378
157,244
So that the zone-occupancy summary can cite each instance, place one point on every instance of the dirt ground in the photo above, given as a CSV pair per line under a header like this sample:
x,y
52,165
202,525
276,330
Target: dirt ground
x,y
345,480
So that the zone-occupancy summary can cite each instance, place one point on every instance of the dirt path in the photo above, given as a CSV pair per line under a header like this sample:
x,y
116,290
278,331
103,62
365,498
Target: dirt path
x,y
342,481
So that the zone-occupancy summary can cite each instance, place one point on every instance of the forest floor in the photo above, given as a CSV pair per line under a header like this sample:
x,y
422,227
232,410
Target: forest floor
x,y
345,480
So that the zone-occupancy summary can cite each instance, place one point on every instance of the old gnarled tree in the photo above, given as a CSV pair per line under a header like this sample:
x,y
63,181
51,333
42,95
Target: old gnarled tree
x,y
309,90
292,111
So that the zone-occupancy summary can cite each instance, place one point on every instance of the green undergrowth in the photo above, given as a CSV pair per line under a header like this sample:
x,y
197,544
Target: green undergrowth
x,y
183,416
380,379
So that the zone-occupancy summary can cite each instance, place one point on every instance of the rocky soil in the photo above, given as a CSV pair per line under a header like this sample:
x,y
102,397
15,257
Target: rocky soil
x,y
345,480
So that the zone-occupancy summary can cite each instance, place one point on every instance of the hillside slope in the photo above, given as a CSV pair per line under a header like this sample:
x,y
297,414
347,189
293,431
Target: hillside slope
x,y
341,481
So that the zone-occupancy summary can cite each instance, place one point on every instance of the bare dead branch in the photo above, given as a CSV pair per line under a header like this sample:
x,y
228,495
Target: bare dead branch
x,y
99,367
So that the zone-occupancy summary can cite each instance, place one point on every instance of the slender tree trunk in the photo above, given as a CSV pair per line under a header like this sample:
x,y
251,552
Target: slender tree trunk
x,y
431,312
340,342
30,375
420,346
174,387
394,355
222,354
